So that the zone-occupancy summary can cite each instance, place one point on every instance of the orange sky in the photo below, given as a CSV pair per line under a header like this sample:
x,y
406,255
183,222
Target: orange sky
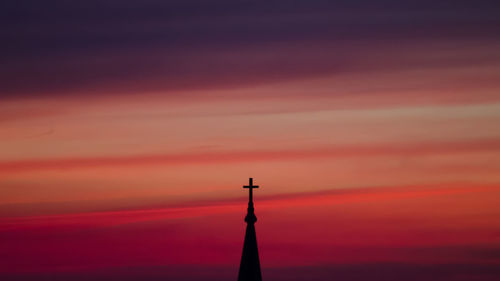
x,y
387,181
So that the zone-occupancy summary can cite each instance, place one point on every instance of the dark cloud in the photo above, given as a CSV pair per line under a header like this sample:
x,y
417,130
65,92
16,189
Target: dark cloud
x,y
61,47
388,272
354,272
472,252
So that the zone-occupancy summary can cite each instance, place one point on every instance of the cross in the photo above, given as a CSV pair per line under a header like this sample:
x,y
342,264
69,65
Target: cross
x,y
250,189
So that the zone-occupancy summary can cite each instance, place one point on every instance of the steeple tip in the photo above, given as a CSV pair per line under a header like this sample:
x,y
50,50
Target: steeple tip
x,y
250,264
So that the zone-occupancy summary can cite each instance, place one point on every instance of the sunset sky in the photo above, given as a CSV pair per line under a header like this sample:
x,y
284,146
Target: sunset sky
x,y
128,128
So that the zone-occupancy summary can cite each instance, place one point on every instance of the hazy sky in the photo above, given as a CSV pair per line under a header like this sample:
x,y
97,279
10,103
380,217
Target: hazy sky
x,y
127,129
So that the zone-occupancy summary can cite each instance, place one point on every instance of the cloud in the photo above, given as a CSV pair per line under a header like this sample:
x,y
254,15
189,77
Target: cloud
x,y
116,47
9,167
349,272
128,215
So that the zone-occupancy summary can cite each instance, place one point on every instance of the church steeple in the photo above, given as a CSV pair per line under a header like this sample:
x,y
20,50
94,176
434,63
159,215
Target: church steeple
x,y
250,265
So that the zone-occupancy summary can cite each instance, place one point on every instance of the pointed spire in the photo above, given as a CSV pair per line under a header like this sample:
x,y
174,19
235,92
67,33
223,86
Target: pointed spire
x,y
250,265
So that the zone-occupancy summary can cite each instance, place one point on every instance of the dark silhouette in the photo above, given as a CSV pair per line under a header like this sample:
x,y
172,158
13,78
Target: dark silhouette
x,y
250,265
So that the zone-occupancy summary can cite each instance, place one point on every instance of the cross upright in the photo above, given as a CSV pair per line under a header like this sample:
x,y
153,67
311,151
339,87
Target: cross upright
x,y
250,187
250,264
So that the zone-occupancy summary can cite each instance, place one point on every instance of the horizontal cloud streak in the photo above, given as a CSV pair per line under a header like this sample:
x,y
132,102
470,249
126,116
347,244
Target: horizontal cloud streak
x,y
349,272
207,208
251,156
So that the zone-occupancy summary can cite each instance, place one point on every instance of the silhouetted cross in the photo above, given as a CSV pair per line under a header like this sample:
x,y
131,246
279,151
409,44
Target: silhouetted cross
x,y
250,188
